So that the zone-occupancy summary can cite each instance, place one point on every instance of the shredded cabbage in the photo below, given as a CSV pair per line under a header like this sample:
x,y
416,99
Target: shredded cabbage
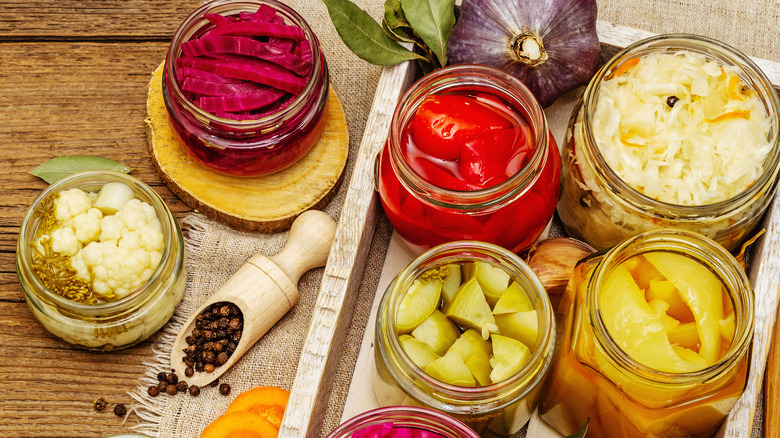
x,y
682,128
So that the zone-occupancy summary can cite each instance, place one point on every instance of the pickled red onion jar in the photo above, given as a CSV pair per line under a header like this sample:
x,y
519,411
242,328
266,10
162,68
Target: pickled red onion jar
x,y
249,147
600,206
428,199
410,418
602,374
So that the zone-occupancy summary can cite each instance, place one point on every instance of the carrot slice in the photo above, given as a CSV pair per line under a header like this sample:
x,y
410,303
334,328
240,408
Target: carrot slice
x,y
729,115
240,425
264,401
627,65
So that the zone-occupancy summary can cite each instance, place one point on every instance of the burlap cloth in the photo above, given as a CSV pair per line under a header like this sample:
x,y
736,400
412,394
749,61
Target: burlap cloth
x,y
215,252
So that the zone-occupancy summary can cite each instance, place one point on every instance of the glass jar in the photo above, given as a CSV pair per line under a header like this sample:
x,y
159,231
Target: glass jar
x,y
599,207
411,417
427,215
498,409
246,147
104,326
592,376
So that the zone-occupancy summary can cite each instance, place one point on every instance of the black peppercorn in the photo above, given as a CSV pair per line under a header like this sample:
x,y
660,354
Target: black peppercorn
x,y
224,389
100,404
208,356
671,100
171,390
189,362
189,371
172,378
153,391
194,390
160,376
235,323
222,358
181,386
120,410
199,365
214,383
190,340
162,385
209,368
224,310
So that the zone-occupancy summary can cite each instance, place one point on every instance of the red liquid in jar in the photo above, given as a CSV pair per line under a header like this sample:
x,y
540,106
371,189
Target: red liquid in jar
x,y
470,141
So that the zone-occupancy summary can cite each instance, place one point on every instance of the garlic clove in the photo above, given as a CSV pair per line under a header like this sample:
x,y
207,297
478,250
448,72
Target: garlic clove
x,y
554,259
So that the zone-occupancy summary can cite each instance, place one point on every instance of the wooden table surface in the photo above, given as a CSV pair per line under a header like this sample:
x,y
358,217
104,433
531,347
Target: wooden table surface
x,y
73,77
73,80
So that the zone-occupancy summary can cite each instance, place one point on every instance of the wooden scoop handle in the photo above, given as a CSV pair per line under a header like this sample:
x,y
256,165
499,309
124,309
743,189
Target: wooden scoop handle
x,y
308,245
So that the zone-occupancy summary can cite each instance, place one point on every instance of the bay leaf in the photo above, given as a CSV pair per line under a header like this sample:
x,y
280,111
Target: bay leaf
x,y
394,14
583,430
364,36
62,166
402,34
432,21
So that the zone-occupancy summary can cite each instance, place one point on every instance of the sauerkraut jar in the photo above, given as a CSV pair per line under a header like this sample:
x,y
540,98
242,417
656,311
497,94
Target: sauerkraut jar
x,y
112,311
489,371
676,131
655,340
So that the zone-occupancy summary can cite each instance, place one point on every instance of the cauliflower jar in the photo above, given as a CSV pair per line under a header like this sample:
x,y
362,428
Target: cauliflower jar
x,y
100,259
676,131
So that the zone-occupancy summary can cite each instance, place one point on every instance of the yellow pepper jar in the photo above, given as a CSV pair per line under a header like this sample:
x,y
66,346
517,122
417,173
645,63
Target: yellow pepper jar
x,y
655,340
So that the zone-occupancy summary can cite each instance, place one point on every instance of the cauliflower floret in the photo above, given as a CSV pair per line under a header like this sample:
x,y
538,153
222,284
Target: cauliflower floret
x,y
122,250
71,203
87,225
65,242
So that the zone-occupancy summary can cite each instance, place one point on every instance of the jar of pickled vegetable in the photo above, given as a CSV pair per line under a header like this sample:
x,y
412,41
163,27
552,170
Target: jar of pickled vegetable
x,y
469,156
402,421
676,131
245,85
466,329
656,340
100,259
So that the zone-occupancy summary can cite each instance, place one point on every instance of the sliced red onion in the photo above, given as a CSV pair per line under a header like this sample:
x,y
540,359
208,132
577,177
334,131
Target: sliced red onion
x,y
550,45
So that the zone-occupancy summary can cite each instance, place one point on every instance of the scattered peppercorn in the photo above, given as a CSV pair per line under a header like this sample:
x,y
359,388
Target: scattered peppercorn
x,y
120,410
172,378
214,383
162,385
189,371
181,386
224,389
194,390
160,376
171,390
100,404
153,391
671,100
219,328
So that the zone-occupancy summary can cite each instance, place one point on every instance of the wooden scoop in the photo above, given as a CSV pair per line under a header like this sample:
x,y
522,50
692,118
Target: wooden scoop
x,y
264,289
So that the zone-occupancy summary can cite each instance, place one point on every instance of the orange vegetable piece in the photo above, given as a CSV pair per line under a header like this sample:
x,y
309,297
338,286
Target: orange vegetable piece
x,y
267,402
734,88
624,67
729,115
240,425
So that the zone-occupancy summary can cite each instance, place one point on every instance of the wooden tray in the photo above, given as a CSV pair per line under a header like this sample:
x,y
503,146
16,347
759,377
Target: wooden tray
x,y
345,266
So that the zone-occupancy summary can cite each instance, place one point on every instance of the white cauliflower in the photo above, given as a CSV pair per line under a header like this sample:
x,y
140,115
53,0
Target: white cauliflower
x,y
116,253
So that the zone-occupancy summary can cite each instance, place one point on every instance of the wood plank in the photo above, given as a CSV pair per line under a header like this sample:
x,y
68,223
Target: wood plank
x,y
93,20
333,310
65,98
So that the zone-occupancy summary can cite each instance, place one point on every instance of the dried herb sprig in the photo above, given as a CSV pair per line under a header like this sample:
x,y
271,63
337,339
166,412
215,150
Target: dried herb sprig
x,y
54,269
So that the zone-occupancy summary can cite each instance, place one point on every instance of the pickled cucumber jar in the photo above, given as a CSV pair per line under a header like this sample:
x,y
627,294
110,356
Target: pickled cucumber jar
x,y
678,156
655,340
402,377
404,419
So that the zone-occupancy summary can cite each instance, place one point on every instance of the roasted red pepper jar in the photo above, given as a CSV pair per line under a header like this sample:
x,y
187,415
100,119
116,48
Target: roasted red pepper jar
x,y
469,157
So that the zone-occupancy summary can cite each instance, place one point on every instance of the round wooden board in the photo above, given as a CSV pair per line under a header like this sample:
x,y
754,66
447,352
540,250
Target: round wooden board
x,y
266,203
